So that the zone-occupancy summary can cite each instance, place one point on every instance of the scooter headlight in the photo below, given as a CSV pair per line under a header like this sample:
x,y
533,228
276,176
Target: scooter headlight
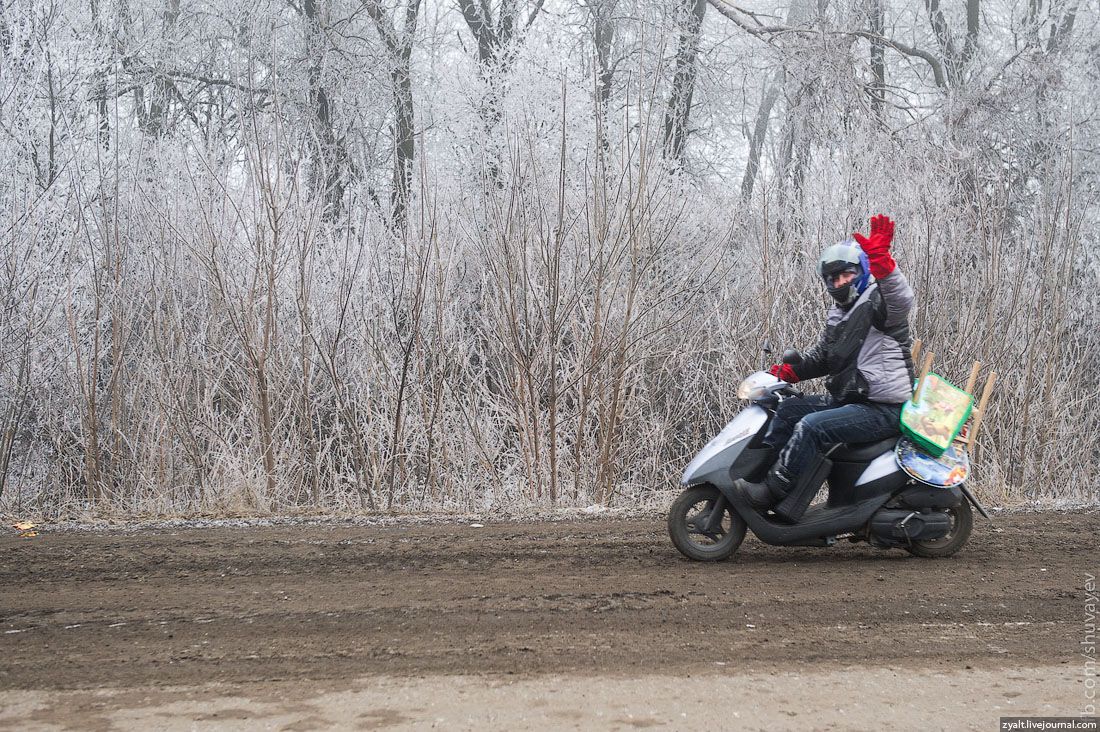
x,y
755,386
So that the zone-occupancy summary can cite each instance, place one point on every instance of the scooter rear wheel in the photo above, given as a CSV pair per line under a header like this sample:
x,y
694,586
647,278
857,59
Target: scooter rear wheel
x,y
962,522
689,514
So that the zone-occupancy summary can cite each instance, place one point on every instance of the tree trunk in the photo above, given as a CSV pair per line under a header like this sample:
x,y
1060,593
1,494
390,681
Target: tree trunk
x,y
494,54
683,82
603,41
794,159
327,169
99,85
404,147
157,117
399,47
603,38
954,59
973,18
759,131
878,62
797,14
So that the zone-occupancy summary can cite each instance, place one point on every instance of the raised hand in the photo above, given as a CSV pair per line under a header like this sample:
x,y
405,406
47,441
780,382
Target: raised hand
x,y
877,245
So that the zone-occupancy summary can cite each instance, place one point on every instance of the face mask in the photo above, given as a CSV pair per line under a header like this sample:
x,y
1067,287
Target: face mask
x,y
845,294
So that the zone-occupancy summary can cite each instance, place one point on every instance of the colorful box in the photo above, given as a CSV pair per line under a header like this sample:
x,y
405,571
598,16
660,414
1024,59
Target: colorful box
x,y
935,414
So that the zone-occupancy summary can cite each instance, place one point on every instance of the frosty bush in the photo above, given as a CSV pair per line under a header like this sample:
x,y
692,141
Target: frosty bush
x,y
456,256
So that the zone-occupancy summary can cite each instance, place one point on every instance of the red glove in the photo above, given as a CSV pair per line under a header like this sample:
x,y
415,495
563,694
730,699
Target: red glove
x,y
785,372
877,245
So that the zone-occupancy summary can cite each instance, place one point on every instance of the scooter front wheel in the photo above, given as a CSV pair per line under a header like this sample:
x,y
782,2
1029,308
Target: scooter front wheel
x,y
695,534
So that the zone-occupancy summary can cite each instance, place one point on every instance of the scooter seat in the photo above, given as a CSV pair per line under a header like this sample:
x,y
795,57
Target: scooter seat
x,y
862,451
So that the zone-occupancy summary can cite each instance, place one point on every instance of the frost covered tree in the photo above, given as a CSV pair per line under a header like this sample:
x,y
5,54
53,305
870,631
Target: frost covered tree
x,y
439,254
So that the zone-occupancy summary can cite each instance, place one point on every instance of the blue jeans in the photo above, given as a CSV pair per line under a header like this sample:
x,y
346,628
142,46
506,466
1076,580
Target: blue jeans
x,y
804,427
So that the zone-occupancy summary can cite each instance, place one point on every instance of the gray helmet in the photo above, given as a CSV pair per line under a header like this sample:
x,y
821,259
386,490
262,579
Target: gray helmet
x,y
847,255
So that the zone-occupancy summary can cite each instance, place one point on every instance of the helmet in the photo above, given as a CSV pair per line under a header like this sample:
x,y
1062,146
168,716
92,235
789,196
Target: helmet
x,y
847,255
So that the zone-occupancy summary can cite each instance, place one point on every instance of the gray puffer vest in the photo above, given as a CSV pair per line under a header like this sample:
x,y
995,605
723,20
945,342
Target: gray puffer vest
x,y
865,350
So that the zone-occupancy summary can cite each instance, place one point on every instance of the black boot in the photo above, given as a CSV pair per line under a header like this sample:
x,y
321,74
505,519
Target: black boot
x,y
774,489
767,462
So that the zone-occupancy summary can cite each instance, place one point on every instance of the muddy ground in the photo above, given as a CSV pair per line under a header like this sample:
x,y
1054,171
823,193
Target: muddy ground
x,y
98,625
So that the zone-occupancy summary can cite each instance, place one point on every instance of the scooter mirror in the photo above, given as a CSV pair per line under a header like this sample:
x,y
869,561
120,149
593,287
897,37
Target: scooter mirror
x,y
765,353
792,357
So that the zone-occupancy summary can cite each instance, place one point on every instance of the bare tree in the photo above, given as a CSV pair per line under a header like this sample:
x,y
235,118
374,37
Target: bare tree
x,y
496,37
877,87
955,58
399,46
328,172
797,15
602,17
196,314
683,81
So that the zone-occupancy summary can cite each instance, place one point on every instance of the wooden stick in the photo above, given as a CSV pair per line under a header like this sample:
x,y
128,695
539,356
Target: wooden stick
x,y
964,436
973,378
917,344
981,407
923,373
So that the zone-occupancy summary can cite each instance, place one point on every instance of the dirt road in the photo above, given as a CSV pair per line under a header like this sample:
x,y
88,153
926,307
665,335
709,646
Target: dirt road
x,y
561,624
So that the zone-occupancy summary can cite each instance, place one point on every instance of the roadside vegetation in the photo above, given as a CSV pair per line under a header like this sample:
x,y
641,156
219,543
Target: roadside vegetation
x,y
375,255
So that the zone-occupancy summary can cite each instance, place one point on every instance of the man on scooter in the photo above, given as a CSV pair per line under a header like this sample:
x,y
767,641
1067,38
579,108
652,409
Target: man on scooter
x,y
865,353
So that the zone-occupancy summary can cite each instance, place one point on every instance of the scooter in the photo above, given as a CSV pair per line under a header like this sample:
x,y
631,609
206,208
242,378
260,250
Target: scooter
x,y
870,497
